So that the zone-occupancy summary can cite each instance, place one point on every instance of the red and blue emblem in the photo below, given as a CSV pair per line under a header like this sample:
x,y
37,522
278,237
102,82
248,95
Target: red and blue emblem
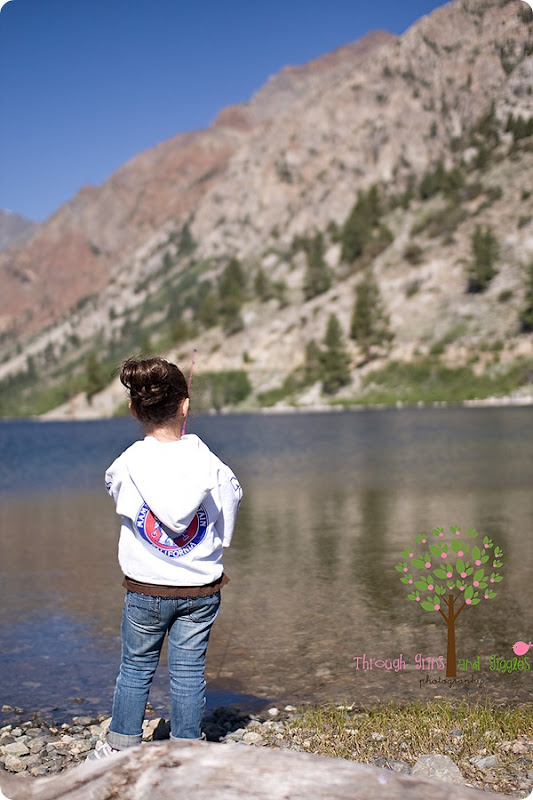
x,y
170,545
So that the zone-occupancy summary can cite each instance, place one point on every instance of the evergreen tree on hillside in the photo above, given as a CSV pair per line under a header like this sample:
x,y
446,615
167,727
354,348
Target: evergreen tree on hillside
x,y
485,253
526,315
94,375
313,362
363,231
231,295
370,322
186,244
205,305
317,277
335,359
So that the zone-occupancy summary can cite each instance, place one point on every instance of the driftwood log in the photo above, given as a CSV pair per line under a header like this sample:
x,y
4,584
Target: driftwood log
x,y
203,770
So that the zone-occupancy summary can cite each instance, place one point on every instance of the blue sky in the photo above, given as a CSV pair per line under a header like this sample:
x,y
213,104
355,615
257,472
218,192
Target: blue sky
x,y
87,84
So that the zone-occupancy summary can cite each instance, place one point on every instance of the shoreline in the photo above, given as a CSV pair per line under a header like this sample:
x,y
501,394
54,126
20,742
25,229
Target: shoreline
x,y
509,401
31,746
498,762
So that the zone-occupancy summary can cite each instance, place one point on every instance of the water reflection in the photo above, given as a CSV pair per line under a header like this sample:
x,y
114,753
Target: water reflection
x,y
330,501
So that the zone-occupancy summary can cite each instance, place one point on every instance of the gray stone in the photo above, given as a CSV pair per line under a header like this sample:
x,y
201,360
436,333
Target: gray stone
x,y
437,767
16,749
33,732
485,762
38,771
252,737
390,763
235,736
37,744
399,766
80,747
14,764
31,761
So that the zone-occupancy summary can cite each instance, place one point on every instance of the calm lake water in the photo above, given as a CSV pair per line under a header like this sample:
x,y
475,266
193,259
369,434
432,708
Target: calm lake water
x,y
330,502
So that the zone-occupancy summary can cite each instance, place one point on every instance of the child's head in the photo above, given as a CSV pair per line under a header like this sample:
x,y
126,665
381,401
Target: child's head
x,y
157,390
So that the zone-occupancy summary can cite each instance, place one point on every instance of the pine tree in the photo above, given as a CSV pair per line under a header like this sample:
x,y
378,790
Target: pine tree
x,y
335,359
526,315
187,243
360,224
264,289
94,377
231,293
485,252
370,322
313,362
317,277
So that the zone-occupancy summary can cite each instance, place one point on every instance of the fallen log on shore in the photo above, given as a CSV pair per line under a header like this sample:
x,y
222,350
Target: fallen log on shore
x,y
203,770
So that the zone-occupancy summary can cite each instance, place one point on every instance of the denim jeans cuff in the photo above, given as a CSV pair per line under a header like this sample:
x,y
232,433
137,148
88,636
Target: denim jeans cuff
x,y
120,741
200,738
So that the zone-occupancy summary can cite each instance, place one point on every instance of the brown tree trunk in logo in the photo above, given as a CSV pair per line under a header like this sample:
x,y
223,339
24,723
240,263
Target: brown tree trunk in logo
x,y
451,659
450,617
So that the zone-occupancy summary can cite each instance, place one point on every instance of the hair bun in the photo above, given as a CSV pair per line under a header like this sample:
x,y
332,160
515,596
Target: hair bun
x,y
156,387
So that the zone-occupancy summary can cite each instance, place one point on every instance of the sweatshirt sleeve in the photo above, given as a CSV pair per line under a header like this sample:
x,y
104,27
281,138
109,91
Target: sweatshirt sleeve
x,y
114,477
230,499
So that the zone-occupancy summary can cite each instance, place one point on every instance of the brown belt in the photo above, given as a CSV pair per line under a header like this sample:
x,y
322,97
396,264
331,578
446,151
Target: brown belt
x,y
158,590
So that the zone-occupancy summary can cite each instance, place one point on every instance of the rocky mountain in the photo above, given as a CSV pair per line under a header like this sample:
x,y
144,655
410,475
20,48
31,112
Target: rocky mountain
x,y
362,217
14,229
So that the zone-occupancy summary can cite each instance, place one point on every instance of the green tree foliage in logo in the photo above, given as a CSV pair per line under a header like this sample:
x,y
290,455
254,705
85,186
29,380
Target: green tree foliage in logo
x,y
449,576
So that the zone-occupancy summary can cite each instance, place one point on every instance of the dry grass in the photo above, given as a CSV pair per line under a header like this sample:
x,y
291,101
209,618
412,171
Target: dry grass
x,y
404,732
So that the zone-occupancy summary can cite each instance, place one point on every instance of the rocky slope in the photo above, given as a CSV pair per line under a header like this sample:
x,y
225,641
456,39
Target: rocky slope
x,y
14,229
126,267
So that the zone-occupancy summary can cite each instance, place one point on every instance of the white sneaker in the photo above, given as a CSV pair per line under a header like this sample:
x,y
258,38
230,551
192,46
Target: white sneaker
x,y
102,752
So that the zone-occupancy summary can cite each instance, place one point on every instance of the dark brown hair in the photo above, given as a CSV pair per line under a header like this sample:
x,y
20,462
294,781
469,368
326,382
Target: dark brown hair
x,y
156,387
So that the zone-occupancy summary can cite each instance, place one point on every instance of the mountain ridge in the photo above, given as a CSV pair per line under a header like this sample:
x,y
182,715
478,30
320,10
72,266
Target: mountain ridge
x,y
440,105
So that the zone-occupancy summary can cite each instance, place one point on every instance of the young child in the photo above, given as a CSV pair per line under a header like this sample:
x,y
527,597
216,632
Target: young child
x,y
178,504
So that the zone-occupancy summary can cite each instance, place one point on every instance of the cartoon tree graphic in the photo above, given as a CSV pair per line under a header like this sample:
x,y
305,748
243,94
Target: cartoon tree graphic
x,y
449,576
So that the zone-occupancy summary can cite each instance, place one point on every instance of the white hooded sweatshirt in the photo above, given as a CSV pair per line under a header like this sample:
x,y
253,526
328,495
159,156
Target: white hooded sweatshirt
x,y
178,504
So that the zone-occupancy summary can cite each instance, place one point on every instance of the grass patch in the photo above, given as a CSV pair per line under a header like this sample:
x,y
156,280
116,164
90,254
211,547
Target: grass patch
x,y
404,732
428,381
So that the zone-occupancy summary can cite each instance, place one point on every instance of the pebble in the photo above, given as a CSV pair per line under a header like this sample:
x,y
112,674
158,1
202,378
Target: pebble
x,y
437,767
16,748
252,737
485,762
396,766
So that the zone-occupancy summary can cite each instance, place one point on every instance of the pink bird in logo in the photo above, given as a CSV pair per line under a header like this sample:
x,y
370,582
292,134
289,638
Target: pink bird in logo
x,y
521,648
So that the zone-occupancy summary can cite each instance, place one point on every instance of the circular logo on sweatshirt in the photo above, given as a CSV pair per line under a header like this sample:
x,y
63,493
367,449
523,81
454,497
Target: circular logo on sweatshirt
x,y
153,532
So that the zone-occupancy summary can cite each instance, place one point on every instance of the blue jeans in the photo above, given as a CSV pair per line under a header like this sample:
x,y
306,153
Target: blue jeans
x,y
145,622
